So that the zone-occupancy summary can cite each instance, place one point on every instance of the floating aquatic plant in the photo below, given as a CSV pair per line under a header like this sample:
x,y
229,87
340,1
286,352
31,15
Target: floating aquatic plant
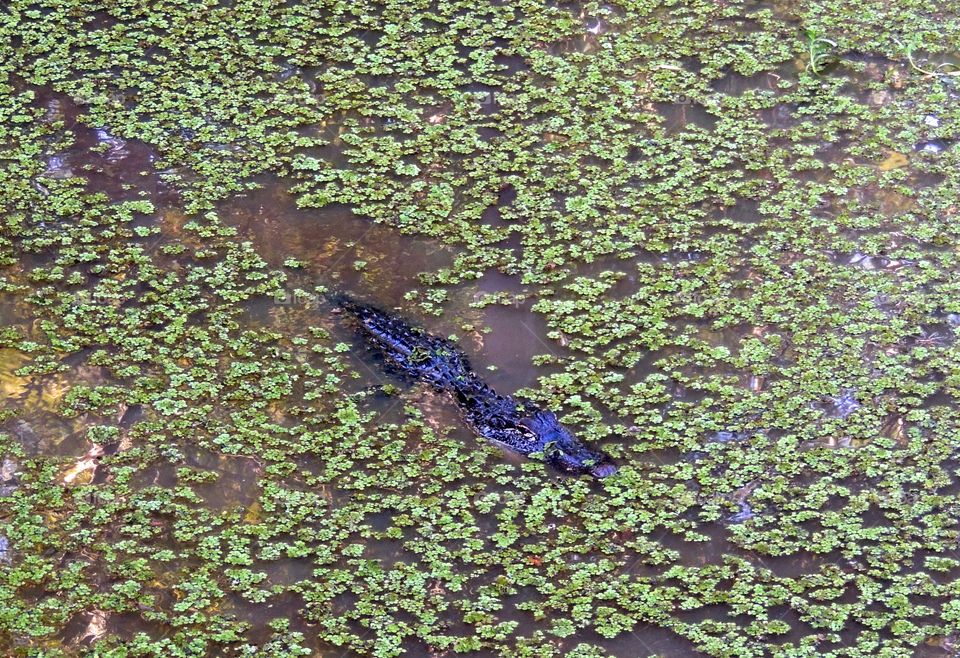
x,y
736,277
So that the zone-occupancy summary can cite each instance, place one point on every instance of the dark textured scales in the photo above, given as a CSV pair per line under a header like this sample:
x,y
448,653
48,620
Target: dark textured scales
x,y
516,425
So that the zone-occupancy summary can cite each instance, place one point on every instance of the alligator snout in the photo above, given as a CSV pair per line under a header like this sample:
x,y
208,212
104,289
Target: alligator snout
x,y
580,460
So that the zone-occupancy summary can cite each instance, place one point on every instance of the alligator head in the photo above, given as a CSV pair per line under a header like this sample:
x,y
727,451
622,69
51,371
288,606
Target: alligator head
x,y
563,451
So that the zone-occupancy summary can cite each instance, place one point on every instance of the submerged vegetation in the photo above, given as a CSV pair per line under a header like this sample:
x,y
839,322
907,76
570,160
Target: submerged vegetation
x,y
728,230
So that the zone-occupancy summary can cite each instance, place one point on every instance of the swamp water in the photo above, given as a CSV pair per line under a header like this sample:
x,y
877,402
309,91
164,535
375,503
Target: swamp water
x,y
733,273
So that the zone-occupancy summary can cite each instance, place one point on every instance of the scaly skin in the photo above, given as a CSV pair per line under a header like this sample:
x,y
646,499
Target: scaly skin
x,y
519,426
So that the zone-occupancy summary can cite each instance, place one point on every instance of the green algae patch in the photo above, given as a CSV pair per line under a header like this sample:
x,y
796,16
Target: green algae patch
x,y
719,239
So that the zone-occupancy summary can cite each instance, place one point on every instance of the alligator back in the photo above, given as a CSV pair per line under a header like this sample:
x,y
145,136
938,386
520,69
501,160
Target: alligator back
x,y
409,349
519,426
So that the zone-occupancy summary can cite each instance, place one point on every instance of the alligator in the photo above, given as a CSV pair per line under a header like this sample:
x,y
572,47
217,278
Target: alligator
x,y
519,426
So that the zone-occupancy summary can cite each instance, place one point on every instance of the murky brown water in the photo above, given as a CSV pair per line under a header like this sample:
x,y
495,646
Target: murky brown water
x,y
341,251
